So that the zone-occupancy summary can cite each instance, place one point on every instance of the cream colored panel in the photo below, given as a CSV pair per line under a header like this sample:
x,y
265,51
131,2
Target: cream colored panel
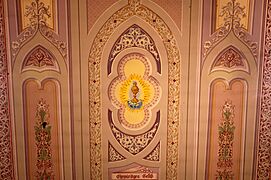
x,y
33,11
236,8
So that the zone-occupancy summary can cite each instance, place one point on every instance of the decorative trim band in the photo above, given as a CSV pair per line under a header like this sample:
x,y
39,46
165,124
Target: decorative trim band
x,y
264,136
6,160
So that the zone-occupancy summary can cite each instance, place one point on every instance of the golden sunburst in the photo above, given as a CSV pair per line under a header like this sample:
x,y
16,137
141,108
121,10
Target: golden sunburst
x,y
143,95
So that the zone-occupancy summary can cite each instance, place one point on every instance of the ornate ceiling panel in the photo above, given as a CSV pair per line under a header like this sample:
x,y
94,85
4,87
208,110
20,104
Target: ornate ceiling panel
x,y
134,8
98,89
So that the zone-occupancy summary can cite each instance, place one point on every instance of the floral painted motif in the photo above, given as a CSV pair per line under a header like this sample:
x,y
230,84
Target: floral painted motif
x,y
39,57
230,59
37,13
232,13
43,142
225,143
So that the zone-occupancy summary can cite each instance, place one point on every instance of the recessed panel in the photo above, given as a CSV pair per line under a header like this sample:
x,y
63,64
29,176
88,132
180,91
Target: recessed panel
x,y
225,136
42,130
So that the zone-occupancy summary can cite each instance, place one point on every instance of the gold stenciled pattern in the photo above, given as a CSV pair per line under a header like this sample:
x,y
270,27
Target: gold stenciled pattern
x,y
232,8
135,36
134,144
154,155
36,12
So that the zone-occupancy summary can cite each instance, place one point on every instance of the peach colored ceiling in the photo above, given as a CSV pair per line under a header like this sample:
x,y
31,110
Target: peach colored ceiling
x,y
95,9
173,8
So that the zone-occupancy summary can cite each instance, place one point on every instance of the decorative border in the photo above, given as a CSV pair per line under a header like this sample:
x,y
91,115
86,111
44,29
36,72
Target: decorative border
x,y
24,37
154,155
134,36
264,136
46,32
113,154
134,8
52,37
6,160
134,144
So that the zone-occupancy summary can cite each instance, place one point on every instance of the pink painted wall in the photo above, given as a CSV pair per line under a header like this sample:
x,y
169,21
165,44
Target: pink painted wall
x,y
220,94
33,94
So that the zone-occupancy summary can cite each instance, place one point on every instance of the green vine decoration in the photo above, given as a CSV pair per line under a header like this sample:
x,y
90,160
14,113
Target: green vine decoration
x,y
43,142
225,142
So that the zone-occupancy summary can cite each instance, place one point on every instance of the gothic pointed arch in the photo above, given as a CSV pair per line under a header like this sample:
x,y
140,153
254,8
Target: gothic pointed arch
x,y
230,21
40,59
230,59
134,36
